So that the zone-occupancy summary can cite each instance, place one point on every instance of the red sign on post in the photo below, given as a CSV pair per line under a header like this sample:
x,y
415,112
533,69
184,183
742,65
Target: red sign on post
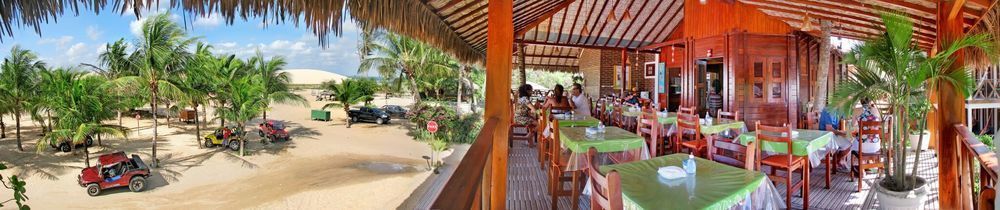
x,y
432,126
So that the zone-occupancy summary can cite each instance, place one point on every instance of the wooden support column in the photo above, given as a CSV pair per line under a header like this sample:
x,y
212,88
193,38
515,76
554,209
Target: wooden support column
x,y
521,63
624,73
950,110
500,44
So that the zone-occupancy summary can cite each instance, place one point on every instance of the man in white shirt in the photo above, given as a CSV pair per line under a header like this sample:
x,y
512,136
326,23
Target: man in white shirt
x,y
580,101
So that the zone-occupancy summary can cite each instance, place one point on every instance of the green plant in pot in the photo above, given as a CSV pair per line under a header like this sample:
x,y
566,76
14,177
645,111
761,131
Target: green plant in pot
x,y
891,69
919,106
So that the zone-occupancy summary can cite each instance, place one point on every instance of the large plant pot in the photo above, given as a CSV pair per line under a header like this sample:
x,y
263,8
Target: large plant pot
x,y
905,200
915,143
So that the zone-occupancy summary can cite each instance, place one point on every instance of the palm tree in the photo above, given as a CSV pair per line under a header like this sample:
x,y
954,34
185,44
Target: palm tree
x,y
275,81
891,69
161,50
392,54
244,104
196,82
348,92
18,80
117,62
80,101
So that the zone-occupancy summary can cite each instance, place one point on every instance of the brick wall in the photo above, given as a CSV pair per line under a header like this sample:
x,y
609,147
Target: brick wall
x,y
597,67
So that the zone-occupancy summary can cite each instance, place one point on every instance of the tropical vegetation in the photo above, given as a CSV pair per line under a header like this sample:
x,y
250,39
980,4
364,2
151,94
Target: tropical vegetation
x,y
349,92
891,69
16,185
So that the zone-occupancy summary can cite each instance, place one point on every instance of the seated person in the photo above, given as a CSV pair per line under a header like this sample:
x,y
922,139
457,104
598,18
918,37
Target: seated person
x,y
830,122
524,111
558,101
632,98
871,143
581,103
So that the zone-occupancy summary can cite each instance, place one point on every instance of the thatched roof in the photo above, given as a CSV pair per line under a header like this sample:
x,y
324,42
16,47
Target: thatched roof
x,y
550,58
459,26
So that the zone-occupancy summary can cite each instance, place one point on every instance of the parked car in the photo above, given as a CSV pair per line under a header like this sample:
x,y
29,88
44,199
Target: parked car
x,y
395,111
114,170
64,145
223,136
369,114
273,131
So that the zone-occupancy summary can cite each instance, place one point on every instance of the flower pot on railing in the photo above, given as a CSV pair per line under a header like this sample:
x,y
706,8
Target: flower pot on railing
x,y
900,200
916,144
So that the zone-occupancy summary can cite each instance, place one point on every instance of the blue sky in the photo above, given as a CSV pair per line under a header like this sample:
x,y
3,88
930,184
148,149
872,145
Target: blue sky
x,y
79,39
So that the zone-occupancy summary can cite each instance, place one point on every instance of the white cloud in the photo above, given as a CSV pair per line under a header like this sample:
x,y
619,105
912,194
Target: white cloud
x,y
60,42
213,20
93,33
340,56
136,26
76,50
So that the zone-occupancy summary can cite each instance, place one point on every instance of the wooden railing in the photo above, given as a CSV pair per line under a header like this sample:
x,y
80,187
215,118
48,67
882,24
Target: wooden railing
x,y
988,166
465,188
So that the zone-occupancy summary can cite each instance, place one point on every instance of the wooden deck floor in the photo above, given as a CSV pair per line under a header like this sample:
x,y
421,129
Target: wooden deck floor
x,y
526,185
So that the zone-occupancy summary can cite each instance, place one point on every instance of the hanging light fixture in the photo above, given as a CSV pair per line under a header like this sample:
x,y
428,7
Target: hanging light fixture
x,y
585,30
807,23
611,17
626,16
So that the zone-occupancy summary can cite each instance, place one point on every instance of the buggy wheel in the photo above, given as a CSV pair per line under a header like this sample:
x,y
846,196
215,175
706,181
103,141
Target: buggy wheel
x,y
234,145
379,121
354,119
260,133
93,189
64,147
137,184
89,142
208,143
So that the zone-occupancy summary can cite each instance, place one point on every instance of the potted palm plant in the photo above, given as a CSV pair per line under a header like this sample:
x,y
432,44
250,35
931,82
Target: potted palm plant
x,y
890,69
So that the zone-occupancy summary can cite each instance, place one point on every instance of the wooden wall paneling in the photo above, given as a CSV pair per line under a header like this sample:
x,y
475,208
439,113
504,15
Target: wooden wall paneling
x,y
717,17
792,89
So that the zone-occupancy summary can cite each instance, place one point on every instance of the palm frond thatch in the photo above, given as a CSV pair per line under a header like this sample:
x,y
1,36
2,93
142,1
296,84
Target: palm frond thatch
x,y
410,18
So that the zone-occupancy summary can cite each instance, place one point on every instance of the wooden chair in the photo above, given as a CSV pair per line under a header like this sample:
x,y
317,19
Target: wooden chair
x,y
733,133
648,127
606,191
861,161
812,121
543,141
689,135
733,153
783,162
558,175
686,110
519,132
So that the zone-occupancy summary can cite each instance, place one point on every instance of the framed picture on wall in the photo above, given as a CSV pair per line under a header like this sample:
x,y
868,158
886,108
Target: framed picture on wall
x,y
650,70
776,90
619,78
661,78
758,90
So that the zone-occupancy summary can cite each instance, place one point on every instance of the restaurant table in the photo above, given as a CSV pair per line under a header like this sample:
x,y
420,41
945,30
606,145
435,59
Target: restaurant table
x,y
614,141
576,120
814,144
719,125
713,186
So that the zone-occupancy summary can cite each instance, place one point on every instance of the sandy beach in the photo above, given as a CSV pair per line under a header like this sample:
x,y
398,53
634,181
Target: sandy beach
x,y
325,166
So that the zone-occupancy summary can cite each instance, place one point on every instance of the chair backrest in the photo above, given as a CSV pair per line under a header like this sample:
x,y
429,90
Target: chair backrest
x,y
733,153
648,126
812,120
686,110
606,192
866,128
543,123
782,134
555,149
728,115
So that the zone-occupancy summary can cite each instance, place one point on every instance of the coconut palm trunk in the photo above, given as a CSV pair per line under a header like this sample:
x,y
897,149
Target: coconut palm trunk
x,y
152,98
17,130
823,74
347,110
197,127
3,128
86,156
413,86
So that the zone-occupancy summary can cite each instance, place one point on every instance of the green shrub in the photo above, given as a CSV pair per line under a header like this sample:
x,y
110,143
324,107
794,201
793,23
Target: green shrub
x,y
17,185
452,127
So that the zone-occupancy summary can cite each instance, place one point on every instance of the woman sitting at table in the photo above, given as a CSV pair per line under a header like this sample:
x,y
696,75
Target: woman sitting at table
x,y
524,111
632,97
870,142
558,101
581,103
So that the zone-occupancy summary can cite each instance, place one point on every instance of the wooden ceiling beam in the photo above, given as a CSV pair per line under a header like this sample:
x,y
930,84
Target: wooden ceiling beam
x,y
448,5
614,7
480,9
679,16
662,44
678,10
589,13
562,24
823,10
576,45
524,16
576,18
634,18
551,56
648,17
992,4
956,9
621,19
531,15
600,15
545,16
872,25
852,28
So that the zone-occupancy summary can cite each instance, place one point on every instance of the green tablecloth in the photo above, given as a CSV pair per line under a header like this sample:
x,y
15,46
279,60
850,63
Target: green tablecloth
x,y
577,120
715,185
808,143
614,139
671,118
718,125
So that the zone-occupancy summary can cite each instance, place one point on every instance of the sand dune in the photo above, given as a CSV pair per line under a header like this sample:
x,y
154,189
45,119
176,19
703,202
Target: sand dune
x,y
312,76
